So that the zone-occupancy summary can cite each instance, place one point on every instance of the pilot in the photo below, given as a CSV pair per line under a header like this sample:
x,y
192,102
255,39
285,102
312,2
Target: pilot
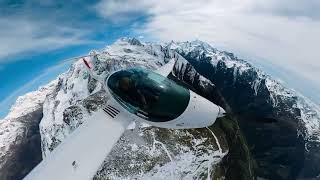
x,y
150,92
126,86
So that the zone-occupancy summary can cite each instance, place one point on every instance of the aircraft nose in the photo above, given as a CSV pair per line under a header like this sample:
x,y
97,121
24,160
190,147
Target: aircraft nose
x,y
222,112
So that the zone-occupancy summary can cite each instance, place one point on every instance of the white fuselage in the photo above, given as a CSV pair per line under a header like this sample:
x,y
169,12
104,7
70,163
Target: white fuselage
x,y
199,113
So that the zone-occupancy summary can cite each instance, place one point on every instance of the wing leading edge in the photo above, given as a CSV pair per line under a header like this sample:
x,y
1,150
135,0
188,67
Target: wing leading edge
x,y
81,154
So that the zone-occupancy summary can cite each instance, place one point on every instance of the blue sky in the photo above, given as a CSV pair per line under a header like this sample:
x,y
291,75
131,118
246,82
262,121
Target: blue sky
x,y
279,36
38,35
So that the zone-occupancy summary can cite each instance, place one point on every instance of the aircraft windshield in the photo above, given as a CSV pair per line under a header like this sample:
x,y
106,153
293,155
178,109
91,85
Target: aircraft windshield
x,y
148,94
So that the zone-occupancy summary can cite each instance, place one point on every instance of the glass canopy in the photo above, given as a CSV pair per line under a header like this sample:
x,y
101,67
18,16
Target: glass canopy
x,y
148,94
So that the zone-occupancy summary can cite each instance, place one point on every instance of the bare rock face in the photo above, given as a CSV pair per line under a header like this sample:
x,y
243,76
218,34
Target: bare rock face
x,y
155,153
24,153
19,135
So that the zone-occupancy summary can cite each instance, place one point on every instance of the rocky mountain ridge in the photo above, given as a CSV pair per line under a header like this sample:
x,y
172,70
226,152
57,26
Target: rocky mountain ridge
x,y
264,110
206,59
280,125
19,134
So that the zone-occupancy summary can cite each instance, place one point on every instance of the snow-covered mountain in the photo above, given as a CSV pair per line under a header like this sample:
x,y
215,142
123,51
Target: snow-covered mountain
x,y
272,132
19,134
142,152
215,64
280,125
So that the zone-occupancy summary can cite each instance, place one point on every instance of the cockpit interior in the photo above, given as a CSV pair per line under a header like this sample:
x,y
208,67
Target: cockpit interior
x,y
148,94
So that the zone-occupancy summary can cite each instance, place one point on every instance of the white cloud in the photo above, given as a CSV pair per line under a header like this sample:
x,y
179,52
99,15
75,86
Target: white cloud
x,y
121,10
20,35
286,33
289,8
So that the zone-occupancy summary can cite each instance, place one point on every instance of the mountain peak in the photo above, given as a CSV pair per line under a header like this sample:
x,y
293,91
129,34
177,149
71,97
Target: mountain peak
x,y
130,40
189,46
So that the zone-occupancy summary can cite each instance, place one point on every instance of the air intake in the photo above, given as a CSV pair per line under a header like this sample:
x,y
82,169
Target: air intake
x,y
111,111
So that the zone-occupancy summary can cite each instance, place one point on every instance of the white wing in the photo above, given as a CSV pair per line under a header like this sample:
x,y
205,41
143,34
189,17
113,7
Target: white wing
x,y
81,154
166,69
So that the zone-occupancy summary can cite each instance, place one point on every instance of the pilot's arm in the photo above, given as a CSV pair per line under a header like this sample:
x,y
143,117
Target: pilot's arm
x,y
142,98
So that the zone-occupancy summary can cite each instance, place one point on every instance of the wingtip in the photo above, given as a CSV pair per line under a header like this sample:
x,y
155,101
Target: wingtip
x,y
86,63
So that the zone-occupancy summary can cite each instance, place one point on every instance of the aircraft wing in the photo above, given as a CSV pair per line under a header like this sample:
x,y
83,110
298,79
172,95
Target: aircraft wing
x,y
166,69
82,153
